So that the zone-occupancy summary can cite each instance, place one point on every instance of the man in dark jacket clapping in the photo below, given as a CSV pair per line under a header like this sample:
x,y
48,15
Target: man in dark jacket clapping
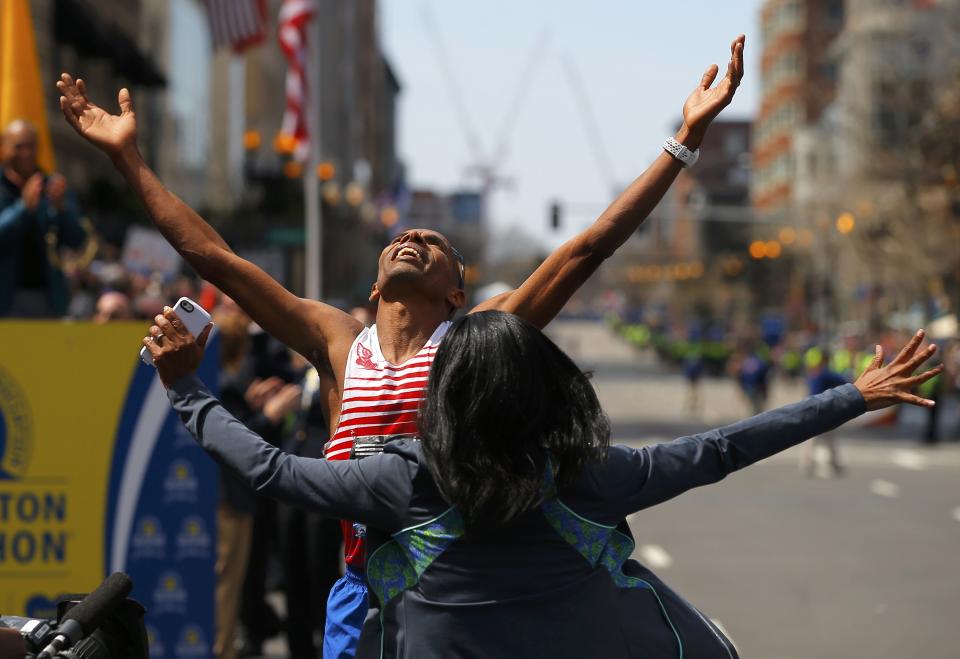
x,y
37,216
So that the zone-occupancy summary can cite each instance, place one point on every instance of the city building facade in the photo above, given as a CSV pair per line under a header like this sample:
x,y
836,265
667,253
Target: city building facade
x,y
864,156
798,81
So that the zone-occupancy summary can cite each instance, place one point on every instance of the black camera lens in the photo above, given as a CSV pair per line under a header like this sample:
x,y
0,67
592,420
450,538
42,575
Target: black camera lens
x,y
187,307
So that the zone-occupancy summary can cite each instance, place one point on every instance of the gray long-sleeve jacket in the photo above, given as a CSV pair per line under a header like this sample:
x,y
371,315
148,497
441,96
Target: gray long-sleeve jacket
x,y
555,582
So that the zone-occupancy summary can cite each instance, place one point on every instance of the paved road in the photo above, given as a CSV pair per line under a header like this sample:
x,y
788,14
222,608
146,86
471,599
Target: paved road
x,y
860,566
867,565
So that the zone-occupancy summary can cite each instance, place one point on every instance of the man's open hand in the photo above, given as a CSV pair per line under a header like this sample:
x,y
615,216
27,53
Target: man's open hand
x,y
705,103
109,132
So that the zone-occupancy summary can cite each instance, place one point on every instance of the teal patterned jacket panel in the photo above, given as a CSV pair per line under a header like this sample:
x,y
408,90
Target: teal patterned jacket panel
x,y
399,563
598,544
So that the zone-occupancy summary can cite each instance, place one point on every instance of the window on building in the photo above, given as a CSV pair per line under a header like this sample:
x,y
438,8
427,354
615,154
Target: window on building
x,y
885,126
792,12
734,143
793,64
834,14
828,70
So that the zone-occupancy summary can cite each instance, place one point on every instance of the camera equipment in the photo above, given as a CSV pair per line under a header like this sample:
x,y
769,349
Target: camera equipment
x,y
102,625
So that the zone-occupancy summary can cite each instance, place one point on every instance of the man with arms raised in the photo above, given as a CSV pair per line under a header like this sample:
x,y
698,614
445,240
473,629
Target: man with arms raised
x,y
372,379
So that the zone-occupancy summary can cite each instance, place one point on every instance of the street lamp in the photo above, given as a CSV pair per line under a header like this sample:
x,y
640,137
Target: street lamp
x,y
845,223
326,171
292,169
251,140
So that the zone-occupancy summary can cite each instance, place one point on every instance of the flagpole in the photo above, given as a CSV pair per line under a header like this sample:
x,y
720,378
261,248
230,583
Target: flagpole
x,y
311,182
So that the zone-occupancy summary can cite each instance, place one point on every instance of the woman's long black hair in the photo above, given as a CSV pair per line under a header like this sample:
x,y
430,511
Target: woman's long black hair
x,y
502,400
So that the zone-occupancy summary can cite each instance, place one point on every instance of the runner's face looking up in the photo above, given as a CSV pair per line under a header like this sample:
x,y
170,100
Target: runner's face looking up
x,y
420,262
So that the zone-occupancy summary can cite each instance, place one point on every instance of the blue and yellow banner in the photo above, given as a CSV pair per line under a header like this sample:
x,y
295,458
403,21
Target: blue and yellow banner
x,y
97,475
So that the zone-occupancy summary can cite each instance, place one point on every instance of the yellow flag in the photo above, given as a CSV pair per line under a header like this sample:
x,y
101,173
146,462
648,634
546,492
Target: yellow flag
x,y
21,86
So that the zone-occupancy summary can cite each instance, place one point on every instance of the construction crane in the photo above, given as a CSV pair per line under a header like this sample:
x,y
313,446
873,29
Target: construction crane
x,y
591,127
486,165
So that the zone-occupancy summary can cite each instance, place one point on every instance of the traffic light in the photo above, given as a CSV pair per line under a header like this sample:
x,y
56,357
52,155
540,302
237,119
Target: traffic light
x,y
555,216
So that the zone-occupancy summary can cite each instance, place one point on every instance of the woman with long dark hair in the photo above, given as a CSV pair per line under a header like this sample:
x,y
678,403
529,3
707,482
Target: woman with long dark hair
x,y
502,532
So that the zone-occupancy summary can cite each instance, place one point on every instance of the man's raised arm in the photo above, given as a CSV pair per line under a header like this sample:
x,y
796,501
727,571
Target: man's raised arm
x,y
307,326
547,290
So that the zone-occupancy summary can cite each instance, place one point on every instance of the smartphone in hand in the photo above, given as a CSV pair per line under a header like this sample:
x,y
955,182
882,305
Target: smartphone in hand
x,y
194,318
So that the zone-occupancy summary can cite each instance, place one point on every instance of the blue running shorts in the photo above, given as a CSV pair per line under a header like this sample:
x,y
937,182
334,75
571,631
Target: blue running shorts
x,y
346,610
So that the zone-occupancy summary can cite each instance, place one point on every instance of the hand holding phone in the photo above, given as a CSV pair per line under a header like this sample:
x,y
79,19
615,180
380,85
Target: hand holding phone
x,y
194,318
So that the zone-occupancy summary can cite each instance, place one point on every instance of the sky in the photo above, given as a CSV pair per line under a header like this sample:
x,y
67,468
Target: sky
x,y
636,62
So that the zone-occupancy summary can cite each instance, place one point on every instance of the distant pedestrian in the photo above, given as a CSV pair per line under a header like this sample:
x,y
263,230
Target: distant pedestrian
x,y
262,405
821,378
752,372
692,373
935,389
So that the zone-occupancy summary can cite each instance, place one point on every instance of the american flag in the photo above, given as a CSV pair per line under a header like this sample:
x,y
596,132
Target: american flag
x,y
238,24
295,15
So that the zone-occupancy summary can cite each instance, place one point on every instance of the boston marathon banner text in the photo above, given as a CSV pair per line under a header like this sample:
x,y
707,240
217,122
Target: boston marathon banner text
x,y
97,475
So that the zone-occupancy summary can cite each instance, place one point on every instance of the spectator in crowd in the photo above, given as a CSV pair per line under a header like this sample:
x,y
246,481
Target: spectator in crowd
x,y
261,404
37,217
113,305
310,544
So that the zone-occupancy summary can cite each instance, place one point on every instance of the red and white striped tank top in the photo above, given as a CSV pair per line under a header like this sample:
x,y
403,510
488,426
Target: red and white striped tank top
x,y
379,398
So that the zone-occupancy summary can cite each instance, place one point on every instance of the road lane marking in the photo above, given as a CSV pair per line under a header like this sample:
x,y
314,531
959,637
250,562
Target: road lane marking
x,y
909,459
654,556
884,488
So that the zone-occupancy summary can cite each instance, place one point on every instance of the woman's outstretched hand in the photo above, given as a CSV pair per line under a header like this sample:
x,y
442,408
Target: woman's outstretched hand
x,y
883,386
176,353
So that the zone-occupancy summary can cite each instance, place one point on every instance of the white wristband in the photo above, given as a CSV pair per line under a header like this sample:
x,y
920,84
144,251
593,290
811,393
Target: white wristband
x,y
687,157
